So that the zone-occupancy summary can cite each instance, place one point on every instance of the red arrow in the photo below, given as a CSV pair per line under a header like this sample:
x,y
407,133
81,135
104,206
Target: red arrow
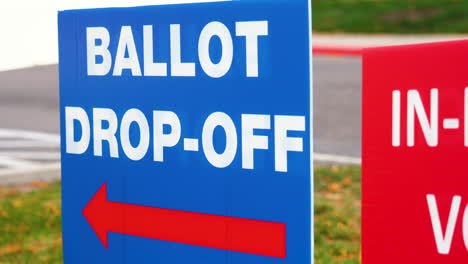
x,y
206,230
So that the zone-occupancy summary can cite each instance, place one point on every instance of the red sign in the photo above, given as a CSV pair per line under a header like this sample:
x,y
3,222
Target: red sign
x,y
415,154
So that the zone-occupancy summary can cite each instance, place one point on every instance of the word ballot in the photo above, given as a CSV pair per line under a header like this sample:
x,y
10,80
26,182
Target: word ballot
x,y
415,143
186,133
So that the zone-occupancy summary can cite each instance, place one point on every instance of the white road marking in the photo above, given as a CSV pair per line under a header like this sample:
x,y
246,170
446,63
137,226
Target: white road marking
x,y
15,163
26,144
38,156
26,134
23,149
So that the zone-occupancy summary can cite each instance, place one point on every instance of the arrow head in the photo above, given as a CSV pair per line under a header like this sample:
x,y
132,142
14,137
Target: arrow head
x,y
99,213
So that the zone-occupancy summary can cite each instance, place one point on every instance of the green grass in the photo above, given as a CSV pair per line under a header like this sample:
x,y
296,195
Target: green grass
x,y
30,224
390,16
337,215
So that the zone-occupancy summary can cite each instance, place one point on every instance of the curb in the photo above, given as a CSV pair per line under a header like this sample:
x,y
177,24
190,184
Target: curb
x,y
337,159
46,173
337,50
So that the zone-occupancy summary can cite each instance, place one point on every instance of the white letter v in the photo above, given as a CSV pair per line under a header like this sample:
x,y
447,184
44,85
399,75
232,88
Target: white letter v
x,y
443,242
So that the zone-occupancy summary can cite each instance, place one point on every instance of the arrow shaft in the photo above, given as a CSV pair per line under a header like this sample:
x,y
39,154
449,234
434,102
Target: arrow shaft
x,y
213,231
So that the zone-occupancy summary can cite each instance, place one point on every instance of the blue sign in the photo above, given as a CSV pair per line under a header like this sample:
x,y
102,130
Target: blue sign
x,y
187,133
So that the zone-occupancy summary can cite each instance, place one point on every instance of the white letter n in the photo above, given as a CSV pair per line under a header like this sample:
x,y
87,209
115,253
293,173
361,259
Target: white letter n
x,y
430,129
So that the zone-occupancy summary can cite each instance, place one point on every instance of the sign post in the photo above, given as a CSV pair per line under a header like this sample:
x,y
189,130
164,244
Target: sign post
x,y
186,133
415,138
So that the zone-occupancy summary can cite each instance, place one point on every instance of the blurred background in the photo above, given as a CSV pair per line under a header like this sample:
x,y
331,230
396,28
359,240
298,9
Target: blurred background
x,y
30,224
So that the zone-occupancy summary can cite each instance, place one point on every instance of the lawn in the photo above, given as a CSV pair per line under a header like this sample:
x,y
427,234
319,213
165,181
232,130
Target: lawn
x,y
30,224
390,16
31,234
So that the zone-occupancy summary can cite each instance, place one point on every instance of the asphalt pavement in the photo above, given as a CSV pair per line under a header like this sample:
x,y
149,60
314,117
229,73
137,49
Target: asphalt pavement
x,y
29,107
29,99
337,105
